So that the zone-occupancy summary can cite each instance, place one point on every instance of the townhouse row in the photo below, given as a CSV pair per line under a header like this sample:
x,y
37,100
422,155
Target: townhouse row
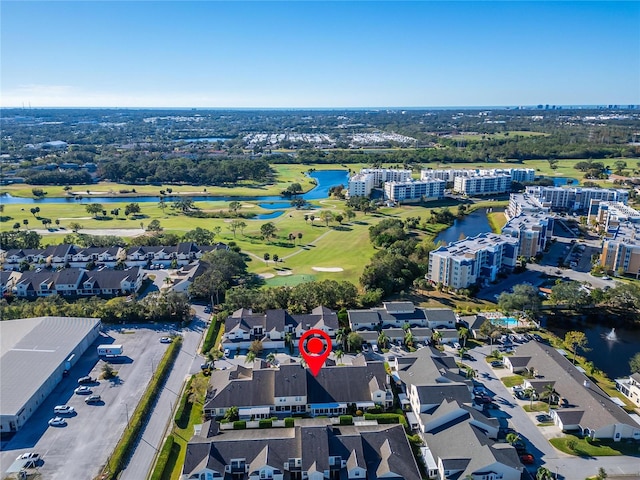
x,y
58,256
71,282
277,327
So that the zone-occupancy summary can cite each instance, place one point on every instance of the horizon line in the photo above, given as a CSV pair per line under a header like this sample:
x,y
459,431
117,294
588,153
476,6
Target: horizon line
x,y
539,106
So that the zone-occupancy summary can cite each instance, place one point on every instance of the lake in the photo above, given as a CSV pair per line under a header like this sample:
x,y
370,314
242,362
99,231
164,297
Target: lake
x,y
325,180
468,226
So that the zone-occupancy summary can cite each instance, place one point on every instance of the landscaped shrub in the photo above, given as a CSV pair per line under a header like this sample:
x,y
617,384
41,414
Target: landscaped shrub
x,y
384,418
239,425
265,423
289,422
184,409
346,420
375,409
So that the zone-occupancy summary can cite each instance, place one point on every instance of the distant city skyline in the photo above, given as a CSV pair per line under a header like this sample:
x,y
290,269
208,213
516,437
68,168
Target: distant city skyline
x,y
307,54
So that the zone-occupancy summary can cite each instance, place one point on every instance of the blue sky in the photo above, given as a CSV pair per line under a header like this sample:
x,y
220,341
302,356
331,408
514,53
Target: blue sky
x,y
318,54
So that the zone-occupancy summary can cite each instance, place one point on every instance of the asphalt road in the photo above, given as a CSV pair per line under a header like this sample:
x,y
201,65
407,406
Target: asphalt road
x,y
187,363
568,467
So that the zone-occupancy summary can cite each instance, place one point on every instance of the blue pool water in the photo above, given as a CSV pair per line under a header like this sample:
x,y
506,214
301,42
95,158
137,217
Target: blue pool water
x,y
508,322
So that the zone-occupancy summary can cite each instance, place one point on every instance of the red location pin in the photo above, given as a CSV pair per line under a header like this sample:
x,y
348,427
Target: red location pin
x,y
312,350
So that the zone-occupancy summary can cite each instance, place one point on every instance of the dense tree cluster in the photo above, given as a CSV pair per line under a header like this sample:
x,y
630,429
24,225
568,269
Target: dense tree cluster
x,y
387,232
301,298
170,307
158,170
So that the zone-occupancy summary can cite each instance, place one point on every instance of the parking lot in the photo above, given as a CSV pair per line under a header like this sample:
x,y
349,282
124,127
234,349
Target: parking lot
x,y
79,449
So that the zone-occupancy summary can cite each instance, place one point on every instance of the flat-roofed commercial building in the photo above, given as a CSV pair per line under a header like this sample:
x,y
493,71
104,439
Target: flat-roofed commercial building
x,y
414,191
33,352
472,260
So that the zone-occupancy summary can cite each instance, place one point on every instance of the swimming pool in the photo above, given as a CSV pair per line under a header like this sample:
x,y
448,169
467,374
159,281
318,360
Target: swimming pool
x,y
508,322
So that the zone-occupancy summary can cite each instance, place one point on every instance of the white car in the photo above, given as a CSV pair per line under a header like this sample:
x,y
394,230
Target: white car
x,y
63,409
57,422
166,340
227,352
374,348
28,456
83,390
456,345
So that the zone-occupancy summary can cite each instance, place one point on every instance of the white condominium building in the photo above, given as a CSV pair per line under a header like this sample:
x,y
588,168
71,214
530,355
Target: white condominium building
x,y
414,191
520,203
517,174
482,184
475,259
533,231
360,185
575,198
381,175
621,244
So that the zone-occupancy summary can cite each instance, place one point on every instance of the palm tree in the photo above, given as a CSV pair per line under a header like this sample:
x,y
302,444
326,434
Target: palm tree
x,y
549,392
338,354
464,334
341,337
436,337
251,356
408,339
383,340
470,372
271,358
288,340
530,392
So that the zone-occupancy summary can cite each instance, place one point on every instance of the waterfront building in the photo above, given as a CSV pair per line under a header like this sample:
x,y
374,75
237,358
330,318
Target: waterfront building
x,y
576,198
360,185
520,175
414,191
473,260
483,184
381,175
533,231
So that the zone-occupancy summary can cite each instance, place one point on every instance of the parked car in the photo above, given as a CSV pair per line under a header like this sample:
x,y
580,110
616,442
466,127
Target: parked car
x,y
57,422
527,459
374,348
206,366
85,379
63,409
207,309
543,418
83,390
365,348
166,340
497,364
28,456
227,352
93,399
479,391
456,345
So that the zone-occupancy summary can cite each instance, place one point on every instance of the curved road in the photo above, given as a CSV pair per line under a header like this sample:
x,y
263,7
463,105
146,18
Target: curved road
x,y
568,467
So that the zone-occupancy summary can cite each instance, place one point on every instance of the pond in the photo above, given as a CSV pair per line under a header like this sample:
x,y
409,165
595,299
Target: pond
x,y
325,180
468,226
610,349
562,181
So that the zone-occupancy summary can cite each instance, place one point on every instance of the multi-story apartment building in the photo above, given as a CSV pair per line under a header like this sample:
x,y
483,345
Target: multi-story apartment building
x,y
472,260
483,184
381,175
449,175
533,231
360,185
520,203
414,191
576,198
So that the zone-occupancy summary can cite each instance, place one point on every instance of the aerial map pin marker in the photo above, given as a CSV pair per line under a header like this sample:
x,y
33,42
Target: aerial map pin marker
x,y
312,350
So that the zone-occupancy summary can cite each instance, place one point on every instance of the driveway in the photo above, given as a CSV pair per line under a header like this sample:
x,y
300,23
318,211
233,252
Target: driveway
x,y
567,466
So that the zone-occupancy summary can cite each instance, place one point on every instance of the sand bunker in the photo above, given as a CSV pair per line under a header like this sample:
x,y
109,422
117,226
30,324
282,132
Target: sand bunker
x,y
328,269
266,275
284,273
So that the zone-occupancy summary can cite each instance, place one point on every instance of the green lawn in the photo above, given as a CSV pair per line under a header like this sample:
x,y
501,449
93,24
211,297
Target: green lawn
x,y
512,381
594,448
536,407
